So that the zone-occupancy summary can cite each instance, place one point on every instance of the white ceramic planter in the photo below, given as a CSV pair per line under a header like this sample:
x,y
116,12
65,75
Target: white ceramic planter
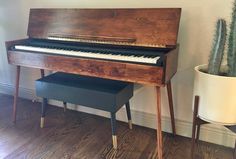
x,y
217,102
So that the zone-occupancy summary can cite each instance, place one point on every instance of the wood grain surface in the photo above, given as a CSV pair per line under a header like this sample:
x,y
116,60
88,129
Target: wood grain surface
x,y
155,26
76,135
136,73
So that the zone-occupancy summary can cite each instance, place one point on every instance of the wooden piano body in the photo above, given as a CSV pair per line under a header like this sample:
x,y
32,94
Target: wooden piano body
x,y
146,29
137,73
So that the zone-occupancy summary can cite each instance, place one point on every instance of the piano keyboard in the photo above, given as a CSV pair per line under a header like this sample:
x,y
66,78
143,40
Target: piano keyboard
x,y
108,56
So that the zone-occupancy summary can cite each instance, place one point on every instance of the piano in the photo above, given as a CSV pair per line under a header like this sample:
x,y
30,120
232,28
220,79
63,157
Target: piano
x,y
134,45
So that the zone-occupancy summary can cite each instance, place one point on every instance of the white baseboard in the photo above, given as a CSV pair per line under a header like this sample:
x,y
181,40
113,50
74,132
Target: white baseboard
x,y
209,133
23,92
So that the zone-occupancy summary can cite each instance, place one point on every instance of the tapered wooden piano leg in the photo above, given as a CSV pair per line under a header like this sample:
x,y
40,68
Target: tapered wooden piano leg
x,y
159,130
170,99
65,106
16,93
127,105
42,72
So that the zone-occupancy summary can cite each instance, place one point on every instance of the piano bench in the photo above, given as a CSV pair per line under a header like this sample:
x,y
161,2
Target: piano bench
x,y
102,94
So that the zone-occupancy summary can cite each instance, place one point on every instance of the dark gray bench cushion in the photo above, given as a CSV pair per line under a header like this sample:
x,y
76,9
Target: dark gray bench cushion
x,y
108,95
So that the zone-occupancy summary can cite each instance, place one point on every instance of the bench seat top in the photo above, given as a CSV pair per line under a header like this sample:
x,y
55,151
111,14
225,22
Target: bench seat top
x,y
108,95
92,83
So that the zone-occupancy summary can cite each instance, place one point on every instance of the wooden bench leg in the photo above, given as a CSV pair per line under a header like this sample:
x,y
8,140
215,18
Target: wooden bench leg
x,y
113,129
44,107
127,105
65,106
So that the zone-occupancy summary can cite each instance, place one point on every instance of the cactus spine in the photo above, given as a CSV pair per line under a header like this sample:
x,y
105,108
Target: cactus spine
x,y
217,48
231,58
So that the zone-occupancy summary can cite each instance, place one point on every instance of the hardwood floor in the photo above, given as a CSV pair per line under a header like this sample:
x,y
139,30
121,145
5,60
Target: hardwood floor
x,y
83,136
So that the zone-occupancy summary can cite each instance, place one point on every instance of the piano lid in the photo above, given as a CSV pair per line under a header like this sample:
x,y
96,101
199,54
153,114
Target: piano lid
x,y
140,27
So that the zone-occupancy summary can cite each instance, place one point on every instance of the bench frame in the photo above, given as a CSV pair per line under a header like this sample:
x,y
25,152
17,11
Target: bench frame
x,y
112,115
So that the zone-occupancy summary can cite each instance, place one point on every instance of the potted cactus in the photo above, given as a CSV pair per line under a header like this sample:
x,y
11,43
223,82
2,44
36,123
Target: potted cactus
x,y
214,83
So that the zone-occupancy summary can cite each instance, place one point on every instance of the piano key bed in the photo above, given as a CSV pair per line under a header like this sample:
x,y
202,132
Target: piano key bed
x,y
102,94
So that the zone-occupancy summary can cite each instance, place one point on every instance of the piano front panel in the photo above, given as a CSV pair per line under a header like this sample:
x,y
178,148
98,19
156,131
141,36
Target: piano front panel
x,y
137,73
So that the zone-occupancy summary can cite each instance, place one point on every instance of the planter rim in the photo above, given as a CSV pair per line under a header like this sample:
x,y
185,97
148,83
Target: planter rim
x,y
197,69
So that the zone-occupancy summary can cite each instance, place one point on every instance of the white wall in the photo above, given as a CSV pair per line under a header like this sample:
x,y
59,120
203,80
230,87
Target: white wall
x,y
195,35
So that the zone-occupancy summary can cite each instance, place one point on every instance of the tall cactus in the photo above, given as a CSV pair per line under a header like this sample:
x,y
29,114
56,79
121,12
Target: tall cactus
x,y
231,55
217,48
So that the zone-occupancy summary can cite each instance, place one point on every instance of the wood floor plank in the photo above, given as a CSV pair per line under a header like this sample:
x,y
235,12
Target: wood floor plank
x,y
76,135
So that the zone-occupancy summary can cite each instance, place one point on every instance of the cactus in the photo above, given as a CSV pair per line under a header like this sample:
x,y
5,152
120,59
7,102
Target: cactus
x,y
217,48
231,54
